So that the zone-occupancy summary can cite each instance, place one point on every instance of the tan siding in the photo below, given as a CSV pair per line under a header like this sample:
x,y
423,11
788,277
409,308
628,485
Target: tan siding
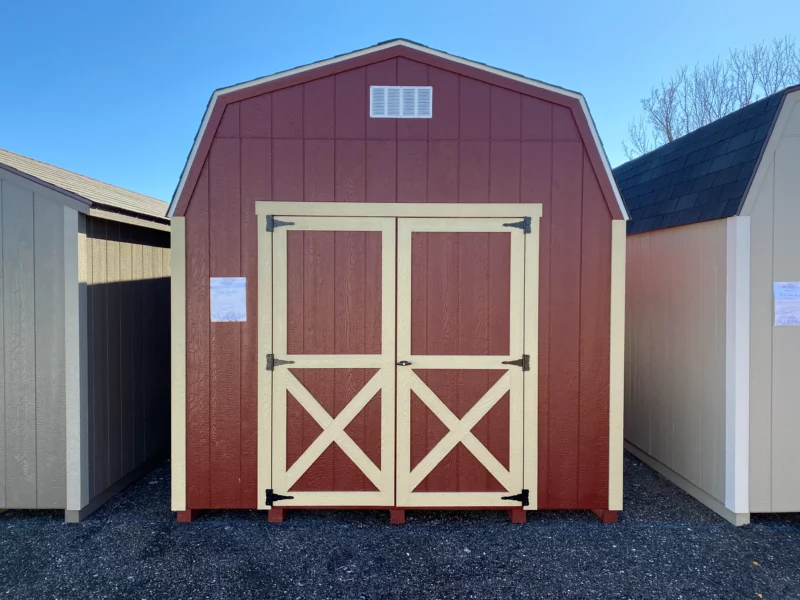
x,y
675,355
786,340
129,363
774,207
761,222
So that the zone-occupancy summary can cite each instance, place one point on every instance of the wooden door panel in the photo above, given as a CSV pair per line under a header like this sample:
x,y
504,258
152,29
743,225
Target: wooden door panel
x,y
334,319
452,276
460,318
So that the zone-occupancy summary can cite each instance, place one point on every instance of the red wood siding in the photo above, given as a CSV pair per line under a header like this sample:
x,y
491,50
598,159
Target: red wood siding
x,y
489,141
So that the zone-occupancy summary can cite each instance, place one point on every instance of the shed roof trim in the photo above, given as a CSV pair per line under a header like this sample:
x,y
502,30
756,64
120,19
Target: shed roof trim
x,y
376,48
97,193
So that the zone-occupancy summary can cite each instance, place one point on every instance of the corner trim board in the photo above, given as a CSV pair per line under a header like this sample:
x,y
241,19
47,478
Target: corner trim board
x,y
75,349
737,365
178,336
616,381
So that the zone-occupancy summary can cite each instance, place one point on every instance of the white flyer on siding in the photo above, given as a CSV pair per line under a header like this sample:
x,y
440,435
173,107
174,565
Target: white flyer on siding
x,y
787,303
228,299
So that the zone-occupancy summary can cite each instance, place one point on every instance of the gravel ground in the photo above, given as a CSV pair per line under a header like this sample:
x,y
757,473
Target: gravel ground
x,y
666,545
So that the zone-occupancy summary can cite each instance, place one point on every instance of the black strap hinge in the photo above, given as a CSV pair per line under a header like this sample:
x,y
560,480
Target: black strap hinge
x,y
272,497
525,224
272,223
523,497
273,362
524,362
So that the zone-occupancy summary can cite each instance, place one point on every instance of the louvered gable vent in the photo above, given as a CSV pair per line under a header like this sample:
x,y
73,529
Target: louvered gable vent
x,y
401,102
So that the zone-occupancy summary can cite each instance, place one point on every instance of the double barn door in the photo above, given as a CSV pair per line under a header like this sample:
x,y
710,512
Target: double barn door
x,y
399,369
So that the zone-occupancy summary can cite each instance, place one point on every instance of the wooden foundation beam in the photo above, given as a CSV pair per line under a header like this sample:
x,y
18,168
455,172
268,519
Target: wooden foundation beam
x,y
518,516
397,516
188,515
276,515
607,517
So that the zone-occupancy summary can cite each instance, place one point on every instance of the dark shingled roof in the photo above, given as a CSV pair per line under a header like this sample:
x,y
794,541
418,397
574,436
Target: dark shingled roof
x,y
701,176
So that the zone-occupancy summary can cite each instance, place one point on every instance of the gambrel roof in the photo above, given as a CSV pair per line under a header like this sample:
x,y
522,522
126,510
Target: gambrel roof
x,y
702,176
379,52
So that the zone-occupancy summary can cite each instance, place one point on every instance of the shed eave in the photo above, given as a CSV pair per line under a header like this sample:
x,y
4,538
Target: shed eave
x,y
219,93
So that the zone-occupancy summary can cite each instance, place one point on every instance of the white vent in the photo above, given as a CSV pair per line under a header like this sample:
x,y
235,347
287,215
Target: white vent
x,y
400,102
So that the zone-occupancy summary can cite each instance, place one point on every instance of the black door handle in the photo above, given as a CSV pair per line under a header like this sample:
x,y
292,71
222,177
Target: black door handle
x,y
403,363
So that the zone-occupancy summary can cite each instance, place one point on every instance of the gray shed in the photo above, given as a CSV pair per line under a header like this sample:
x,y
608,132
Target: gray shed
x,y
84,337
713,309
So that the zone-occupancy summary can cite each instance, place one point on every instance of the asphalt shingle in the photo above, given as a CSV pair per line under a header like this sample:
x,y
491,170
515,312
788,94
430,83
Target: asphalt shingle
x,y
701,176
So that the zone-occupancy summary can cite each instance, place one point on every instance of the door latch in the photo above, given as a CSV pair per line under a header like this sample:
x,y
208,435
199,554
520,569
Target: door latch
x,y
403,363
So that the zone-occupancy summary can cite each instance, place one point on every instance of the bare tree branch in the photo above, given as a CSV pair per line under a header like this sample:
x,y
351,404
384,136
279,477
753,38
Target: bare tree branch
x,y
691,99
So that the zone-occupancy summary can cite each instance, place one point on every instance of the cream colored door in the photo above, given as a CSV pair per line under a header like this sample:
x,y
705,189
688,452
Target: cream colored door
x,y
333,361
460,373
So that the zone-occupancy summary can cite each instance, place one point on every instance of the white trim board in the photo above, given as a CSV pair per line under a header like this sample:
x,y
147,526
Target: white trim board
x,y
737,366
390,44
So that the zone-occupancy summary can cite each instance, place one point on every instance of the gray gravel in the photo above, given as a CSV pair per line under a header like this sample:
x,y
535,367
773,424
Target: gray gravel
x,y
666,545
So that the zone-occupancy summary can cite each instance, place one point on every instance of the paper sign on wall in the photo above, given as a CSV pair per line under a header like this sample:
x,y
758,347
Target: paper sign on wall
x,y
228,299
787,302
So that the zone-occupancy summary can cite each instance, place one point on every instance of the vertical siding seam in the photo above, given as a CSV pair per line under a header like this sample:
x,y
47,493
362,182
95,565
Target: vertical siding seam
x,y
241,327
549,314
208,316
35,364
772,341
3,341
580,318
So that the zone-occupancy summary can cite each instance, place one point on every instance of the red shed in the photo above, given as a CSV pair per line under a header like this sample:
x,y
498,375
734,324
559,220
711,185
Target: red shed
x,y
398,283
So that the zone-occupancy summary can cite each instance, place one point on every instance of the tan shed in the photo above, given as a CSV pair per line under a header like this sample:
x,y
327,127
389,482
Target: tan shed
x,y
712,377
84,337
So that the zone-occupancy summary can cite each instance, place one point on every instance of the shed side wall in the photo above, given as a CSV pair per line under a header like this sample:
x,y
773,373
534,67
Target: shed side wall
x,y
32,444
485,143
775,351
128,300
675,350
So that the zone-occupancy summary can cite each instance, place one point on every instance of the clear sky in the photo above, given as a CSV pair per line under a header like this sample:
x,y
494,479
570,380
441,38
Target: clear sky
x,y
115,89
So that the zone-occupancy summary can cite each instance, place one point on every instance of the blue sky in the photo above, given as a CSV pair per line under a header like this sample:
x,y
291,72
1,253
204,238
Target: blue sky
x,y
116,89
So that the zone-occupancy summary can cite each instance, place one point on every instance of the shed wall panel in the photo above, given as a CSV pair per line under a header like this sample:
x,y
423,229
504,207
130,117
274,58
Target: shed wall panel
x,y
774,353
786,340
51,469
675,350
470,151
20,352
128,358
2,366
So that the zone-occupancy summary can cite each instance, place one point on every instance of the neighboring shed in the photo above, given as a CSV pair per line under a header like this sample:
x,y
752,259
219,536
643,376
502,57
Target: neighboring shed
x,y
711,394
84,332
397,214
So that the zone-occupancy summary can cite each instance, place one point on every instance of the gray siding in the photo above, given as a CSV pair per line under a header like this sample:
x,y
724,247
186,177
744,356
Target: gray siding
x,y
127,297
775,351
32,444
675,350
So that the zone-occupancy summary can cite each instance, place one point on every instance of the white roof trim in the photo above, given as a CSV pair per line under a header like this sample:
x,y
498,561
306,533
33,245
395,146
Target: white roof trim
x,y
438,53
767,156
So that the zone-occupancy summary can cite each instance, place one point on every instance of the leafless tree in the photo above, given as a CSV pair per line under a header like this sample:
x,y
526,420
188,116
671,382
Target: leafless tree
x,y
695,97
